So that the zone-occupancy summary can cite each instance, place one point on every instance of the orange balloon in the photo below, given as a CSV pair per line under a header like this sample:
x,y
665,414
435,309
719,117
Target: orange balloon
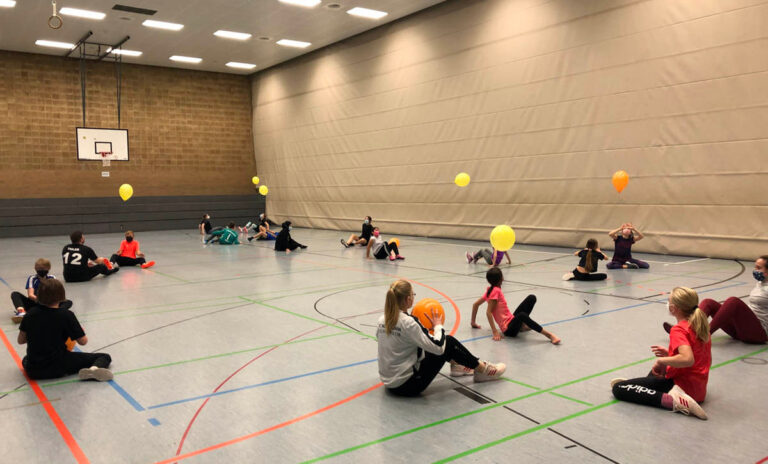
x,y
620,180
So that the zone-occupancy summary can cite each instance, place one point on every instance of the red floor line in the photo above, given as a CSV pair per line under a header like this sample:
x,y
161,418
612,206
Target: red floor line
x,y
194,417
313,413
77,452
765,459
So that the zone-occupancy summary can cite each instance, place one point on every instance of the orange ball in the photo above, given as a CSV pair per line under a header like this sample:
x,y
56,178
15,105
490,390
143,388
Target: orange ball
x,y
396,240
423,308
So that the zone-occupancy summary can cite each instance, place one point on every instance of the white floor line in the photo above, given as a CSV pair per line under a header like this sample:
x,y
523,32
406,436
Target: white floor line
x,y
690,261
487,246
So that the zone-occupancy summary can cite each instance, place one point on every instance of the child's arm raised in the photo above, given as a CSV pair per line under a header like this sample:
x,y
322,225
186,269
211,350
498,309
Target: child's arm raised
x,y
639,236
615,232
475,306
491,306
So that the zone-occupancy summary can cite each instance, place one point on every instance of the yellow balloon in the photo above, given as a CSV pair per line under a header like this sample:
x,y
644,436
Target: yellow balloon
x,y
263,190
255,180
502,237
462,179
126,191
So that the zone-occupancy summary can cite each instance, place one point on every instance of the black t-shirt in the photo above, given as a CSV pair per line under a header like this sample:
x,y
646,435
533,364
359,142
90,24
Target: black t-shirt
x,y
75,258
206,225
367,231
595,256
47,331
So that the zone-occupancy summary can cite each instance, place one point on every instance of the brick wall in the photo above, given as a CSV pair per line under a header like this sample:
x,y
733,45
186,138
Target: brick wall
x,y
189,132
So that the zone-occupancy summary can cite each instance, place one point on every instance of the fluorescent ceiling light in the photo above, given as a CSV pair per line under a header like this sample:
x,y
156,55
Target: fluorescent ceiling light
x,y
54,44
304,3
293,43
82,13
235,64
232,35
162,25
8,3
122,51
186,59
366,13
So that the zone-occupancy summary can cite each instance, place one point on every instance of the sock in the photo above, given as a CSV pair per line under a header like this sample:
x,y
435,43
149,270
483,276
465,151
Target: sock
x,y
666,401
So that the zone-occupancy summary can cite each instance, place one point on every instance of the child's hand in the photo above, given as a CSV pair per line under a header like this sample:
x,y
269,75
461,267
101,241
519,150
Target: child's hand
x,y
435,317
475,325
659,351
496,335
658,369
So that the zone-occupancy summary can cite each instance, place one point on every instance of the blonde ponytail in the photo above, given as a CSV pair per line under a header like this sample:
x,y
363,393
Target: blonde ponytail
x,y
398,292
687,301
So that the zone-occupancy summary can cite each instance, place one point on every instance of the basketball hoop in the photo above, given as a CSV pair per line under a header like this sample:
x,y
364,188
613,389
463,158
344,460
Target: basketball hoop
x,y
104,160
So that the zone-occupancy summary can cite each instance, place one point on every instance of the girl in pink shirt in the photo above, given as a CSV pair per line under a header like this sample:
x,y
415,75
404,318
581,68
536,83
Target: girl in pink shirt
x,y
509,323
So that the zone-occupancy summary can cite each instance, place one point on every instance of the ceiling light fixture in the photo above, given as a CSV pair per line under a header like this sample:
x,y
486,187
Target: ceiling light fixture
x,y
162,25
367,13
235,64
186,59
8,3
82,13
304,3
122,51
232,35
54,44
293,43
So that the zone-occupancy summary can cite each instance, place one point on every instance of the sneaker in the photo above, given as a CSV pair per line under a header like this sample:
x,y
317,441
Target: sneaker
x,y
457,370
632,266
95,373
617,380
392,258
399,257
250,239
682,402
667,327
303,247
492,372
470,258
148,265
568,276
18,315
109,265
343,242
248,225
112,271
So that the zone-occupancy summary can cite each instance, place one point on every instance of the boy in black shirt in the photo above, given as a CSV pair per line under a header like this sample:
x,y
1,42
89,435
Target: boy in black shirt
x,y
81,263
45,330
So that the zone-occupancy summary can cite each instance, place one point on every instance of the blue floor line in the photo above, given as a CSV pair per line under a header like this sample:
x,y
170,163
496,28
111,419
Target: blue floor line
x,y
126,396
6,283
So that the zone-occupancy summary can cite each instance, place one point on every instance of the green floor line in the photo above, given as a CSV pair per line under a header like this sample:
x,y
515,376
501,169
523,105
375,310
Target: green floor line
x,y
186,361
330,324
154,271
520,383
569,417
473,412
559,395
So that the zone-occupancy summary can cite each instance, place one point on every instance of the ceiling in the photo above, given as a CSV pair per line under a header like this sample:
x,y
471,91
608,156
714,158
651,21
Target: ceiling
x,y
25,23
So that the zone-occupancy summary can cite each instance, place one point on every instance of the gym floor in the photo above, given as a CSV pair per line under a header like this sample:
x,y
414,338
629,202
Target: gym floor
x,y
242,354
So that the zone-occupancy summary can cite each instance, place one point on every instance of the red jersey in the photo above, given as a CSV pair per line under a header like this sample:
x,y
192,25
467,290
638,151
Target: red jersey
x,y
129,250
693,380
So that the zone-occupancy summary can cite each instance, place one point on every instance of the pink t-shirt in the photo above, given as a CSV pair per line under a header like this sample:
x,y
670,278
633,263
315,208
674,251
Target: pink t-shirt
x,y
501,314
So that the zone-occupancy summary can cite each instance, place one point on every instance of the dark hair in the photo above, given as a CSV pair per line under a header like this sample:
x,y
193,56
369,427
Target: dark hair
x,y
76,236
494,277
370,218
764,258
591,245
50,292
231,225
286,224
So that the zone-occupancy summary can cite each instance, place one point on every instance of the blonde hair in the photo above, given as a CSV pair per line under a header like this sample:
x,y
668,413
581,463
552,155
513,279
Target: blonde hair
x,y
687,301
398,292
43,264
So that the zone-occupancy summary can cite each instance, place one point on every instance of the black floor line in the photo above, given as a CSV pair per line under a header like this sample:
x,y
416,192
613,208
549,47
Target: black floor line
x,y
333,318
582,445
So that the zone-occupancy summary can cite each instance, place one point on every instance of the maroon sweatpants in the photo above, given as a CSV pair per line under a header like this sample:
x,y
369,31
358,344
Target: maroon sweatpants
x,y
735,318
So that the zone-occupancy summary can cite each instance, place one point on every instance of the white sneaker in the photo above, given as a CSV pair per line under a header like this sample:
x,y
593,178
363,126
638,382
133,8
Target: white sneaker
x,y
97,373
617,380
568,276
682,402
492,372
457,370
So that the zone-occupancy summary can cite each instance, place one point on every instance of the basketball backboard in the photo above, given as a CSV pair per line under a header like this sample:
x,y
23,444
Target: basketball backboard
x,y
93,142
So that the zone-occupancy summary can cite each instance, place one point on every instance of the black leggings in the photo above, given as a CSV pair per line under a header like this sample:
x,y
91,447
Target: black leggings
x,y
384,251
523,316
126,261
21,301
432,363
589,276
70,363
87,274
643,390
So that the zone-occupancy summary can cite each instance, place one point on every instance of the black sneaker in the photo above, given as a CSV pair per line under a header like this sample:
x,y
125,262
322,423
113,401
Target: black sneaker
x,y
343,242
250,239
667,327
113,270
302,247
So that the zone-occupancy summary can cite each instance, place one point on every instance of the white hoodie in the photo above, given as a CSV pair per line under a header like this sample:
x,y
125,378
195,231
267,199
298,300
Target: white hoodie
x,y
402,350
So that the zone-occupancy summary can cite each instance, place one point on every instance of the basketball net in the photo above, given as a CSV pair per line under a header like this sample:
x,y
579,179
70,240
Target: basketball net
x,y
104,160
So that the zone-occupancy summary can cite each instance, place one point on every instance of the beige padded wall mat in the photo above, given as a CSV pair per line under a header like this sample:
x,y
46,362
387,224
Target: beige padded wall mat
x,y
540,101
